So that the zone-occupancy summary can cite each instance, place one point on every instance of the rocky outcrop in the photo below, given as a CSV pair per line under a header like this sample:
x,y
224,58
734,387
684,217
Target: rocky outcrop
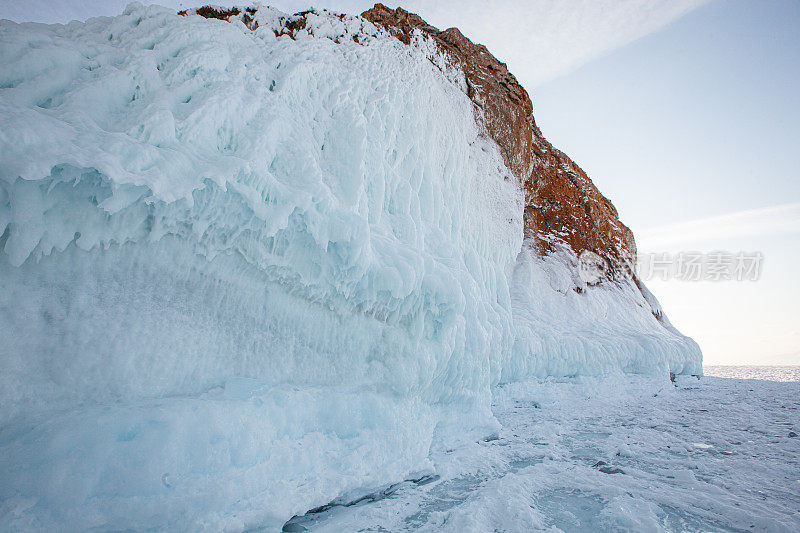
x,y
562,205
561,202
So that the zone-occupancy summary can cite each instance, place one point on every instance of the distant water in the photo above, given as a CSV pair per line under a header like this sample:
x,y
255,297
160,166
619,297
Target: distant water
x,y
767,373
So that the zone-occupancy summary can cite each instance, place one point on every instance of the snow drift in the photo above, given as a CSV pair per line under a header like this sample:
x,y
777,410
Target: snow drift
x,y
246,273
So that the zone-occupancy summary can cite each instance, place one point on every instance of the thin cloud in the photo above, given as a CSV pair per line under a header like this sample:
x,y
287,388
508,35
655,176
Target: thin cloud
x,y
777,220
544,39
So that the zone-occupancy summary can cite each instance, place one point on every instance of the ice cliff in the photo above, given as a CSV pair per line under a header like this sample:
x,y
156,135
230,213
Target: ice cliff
x,y
253,262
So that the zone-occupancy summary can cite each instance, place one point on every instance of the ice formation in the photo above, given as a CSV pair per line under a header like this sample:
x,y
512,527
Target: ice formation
x,y
244,274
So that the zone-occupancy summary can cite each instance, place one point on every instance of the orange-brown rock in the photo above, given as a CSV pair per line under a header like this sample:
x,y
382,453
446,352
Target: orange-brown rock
x,y
561,202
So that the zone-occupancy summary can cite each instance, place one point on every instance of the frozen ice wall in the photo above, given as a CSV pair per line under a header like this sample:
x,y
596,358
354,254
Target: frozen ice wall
x,y
242,275
566,327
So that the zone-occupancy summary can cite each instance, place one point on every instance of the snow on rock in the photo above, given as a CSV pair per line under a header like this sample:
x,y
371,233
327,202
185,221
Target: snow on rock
x,y
251,266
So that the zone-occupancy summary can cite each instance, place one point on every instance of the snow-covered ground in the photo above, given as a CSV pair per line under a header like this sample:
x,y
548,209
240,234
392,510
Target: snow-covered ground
x,y
718,454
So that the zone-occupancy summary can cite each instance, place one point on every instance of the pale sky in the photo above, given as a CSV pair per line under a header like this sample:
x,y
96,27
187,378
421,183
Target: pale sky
x,y
693,132
539,39
684,113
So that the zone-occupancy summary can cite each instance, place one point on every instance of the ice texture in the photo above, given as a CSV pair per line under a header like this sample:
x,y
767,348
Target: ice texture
x,y
617,453
243,275
566,327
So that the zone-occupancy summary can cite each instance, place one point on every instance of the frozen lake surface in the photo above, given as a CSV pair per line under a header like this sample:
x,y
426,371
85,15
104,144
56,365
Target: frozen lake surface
x,y
768,373
625,453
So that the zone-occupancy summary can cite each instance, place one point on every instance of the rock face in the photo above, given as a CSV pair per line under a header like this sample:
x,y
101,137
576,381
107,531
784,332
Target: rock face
x,y
561,202
562,205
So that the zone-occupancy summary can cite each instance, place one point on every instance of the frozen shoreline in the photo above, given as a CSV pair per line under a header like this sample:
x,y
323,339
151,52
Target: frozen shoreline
x,y
608,454
244,273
